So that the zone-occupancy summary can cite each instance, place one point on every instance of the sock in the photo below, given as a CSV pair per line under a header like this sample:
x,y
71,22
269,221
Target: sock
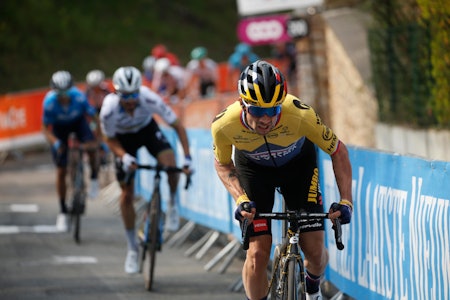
x,y
312,283
131,239
63,206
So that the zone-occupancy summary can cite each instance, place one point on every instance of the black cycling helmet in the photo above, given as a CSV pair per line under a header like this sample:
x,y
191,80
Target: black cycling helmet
x,y
262,84
61,81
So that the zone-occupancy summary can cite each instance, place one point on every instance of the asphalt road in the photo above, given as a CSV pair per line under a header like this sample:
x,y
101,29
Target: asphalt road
x,y
37,262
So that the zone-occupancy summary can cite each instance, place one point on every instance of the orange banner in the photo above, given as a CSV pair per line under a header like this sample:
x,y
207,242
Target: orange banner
x,y
20,114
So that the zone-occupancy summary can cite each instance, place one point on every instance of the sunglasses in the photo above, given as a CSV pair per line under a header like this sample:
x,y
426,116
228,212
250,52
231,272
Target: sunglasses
x,y
258,112
129,96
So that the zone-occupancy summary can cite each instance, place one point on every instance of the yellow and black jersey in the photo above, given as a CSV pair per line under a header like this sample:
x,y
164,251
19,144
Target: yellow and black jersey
x,y
296,122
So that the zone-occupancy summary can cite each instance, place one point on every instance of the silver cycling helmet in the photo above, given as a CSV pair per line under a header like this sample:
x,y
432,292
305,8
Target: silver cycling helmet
x,y
162,65
95,77
148,63
127,79
61,81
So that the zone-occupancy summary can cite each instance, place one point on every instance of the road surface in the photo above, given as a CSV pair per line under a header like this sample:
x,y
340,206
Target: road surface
x,y
37,262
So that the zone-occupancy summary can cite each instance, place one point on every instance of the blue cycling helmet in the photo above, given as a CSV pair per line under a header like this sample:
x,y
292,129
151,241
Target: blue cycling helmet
x,y
199,53
243,48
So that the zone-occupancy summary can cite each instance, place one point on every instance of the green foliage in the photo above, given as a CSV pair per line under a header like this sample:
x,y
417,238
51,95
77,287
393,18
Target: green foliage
x,y
437,15
40,37
409,45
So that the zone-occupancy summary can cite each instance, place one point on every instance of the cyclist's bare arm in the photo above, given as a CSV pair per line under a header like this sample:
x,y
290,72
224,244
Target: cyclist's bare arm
x,y
229,177
181,132
115,146
343,173
49,136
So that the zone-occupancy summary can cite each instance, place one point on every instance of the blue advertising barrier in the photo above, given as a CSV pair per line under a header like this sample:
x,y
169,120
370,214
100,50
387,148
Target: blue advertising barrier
x,y
398,243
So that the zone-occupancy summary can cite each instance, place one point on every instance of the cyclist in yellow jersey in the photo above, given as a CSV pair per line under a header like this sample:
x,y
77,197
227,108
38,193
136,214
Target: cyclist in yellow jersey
x,y
274,136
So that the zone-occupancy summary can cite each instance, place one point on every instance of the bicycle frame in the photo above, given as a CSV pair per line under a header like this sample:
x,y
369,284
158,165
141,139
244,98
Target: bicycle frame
x,y
152,221
288,282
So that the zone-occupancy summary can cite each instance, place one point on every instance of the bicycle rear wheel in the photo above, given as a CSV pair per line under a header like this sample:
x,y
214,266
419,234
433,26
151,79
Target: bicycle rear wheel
x,y
153,240
278,288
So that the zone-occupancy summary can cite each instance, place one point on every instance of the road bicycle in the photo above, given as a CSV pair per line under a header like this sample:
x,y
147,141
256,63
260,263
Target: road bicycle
x,y
150,225
76,186
287,280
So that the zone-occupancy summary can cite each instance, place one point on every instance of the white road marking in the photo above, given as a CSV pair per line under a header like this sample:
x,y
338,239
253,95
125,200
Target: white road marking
x,y
24,208
68,260
12,229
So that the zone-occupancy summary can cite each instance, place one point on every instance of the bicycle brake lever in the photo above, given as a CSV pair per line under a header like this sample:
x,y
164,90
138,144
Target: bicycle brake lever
x,y
245,238
188,181
338,234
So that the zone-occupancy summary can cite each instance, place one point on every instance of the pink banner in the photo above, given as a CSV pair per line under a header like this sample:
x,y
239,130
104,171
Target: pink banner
x,y
263,30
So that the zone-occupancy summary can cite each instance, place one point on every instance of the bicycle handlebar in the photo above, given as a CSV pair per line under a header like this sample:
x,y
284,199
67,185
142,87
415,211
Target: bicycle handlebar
x,y
158,169
294,216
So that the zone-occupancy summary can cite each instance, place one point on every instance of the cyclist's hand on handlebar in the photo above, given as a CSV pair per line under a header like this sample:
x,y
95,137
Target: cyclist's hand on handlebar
x,y
57,146
342,210
245,210
128,162
187,166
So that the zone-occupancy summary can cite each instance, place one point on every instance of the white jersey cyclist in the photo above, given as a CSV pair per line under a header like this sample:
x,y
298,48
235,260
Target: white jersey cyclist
x,y
115,120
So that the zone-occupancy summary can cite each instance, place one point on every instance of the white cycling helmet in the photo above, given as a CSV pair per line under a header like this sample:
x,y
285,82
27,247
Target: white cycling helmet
x,y
61,81
95,77
148,63
162,65
127,80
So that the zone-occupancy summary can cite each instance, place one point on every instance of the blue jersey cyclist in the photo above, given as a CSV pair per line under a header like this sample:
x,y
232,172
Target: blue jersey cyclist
x,y
65,109
273,137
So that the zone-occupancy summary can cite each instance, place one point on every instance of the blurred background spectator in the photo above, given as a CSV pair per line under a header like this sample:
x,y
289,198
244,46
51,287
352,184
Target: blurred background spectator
x,y
286,55
160,51
242,56
203,74
147,70
170,81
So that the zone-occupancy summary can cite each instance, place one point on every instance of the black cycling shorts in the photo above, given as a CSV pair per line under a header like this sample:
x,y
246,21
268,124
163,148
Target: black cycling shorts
x,y
150,137
82,132
298,181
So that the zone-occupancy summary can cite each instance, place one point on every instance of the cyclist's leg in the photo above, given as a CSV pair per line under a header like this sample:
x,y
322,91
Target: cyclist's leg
x,y
158,146
130,143
254,271
60,161
301,191
259,184
87,138
167,158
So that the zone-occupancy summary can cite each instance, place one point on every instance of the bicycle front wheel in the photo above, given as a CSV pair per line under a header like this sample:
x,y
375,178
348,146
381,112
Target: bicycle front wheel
x,y
296,280
278,284
154,240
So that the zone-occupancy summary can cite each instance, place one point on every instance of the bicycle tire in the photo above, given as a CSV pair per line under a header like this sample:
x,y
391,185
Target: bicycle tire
x,y
76,231
295,281
79,196
154,239
277,292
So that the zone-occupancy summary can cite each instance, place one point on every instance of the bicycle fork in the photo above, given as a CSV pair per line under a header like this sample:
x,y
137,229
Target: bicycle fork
x,y
290,253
